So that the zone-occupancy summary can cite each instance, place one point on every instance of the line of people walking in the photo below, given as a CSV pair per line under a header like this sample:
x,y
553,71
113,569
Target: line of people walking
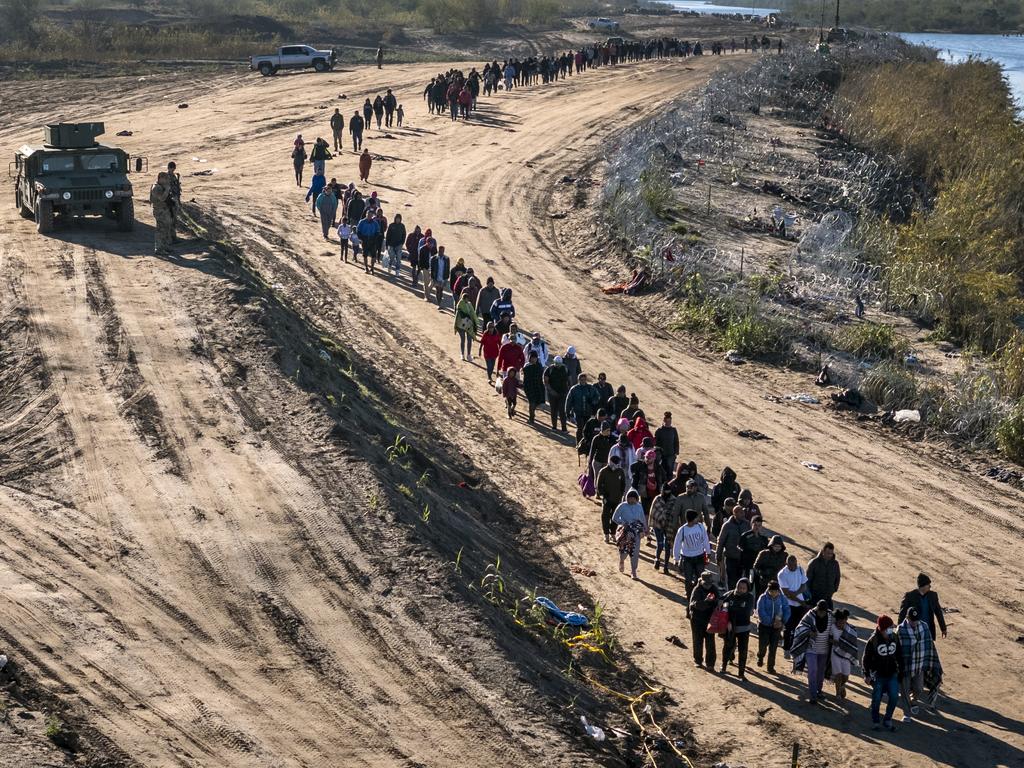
x,y
738,579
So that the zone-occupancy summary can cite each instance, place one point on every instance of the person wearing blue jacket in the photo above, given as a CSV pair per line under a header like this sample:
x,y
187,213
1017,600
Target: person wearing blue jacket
x,y
772,614
367,230
316,186
502,306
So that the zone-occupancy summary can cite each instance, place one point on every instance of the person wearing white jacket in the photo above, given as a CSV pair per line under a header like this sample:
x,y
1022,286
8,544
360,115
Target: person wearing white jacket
x,y
691,549
539,346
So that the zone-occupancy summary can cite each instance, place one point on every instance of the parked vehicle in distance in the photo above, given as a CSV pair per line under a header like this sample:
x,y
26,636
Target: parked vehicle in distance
x,y
294,57
603,23
71,174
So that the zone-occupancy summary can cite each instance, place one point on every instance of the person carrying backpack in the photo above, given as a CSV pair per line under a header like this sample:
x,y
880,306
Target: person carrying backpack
x,y
580,403
556,379
466,324
533,384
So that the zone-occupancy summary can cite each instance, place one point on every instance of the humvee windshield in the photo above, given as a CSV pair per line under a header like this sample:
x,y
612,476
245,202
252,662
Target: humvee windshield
x,y
99,162
57,164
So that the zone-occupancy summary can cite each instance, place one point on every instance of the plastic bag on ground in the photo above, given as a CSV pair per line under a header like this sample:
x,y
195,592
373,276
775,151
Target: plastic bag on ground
x,y
901,416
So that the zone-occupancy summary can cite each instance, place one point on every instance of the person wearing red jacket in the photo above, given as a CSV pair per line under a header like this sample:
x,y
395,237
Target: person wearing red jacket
x,y
639,431
511,356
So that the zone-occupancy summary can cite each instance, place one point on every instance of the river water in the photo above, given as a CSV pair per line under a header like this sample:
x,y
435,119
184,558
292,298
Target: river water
x,y
1007,51
755,8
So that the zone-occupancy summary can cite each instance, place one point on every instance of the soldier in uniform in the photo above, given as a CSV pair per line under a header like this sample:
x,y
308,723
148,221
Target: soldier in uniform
x,y
160,198
174,202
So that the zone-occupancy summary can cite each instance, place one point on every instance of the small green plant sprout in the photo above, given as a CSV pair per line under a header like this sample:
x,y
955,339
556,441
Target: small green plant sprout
x,y
493,583
424,479
458,560
405,490
397,449
425,515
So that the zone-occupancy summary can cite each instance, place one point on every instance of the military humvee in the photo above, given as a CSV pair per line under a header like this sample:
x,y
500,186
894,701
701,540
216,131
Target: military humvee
x,y
72,174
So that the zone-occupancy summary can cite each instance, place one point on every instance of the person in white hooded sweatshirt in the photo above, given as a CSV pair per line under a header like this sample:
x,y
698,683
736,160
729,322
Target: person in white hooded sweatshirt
x,y
691,551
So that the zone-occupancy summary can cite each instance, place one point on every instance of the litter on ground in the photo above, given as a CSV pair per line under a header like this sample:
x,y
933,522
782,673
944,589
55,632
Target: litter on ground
x,y
753,434
564,617
901,416
597,734
803,397
812,466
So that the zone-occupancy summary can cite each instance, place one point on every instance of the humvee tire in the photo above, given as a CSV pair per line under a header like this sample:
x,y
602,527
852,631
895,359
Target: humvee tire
x,y
126,216
44,216
23,209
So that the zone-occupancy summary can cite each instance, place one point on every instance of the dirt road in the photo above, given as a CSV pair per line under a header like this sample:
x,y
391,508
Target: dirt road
x,y
192,579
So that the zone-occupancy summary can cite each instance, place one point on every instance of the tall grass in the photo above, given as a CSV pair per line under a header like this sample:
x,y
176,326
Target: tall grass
x,y
961,259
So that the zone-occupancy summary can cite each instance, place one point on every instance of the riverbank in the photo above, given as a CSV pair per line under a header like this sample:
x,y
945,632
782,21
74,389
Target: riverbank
x,y
765,215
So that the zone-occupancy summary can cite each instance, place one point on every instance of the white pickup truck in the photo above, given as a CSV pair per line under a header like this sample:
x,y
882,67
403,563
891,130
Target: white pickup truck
x,y
294,57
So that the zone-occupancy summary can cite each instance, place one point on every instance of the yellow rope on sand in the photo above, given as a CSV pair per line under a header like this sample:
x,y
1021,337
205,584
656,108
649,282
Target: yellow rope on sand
x,y
633,702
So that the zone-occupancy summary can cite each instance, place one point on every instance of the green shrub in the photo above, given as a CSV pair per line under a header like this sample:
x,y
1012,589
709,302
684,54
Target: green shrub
x,y
970,409
656,191
878,341
1011,365
1010,434
890,386
754,335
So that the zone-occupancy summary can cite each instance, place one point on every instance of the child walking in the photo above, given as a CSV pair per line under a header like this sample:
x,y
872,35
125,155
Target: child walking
x,y
510,389
344,233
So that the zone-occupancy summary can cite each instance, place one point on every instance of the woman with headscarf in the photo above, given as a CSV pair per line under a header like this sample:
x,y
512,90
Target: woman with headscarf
x,y
811,646
466,326
632,527
844,650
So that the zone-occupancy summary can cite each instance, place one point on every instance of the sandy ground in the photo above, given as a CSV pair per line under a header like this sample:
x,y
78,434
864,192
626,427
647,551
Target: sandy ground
x,y
181,567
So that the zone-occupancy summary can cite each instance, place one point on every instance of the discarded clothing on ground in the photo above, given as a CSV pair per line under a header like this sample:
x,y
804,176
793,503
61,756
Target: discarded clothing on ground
x,y
563,617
